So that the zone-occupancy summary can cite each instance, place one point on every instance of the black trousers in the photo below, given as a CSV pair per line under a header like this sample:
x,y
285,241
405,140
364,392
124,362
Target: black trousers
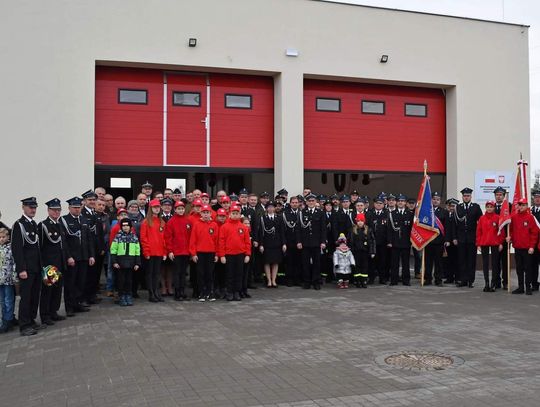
x,y
74,284
138,280
193,279
93,277
181,263
400,255
417,260
125,280
467,262
293,264
434,262
235,272
29,290
245,275
50,299
311,265
378,265
450,264
205,273
220,277
495,263
535,262
523,268
153,274
503,267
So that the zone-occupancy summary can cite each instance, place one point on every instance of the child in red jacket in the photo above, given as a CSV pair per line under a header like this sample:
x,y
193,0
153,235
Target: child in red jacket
x,y
524,238
177,234
234,251
220,274
488,239
203,248
153,248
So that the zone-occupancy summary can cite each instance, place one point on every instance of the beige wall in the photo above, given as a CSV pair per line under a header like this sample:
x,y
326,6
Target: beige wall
x,y
49,50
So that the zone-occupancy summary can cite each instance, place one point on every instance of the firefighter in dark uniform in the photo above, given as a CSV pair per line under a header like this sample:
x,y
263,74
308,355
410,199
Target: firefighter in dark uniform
x,y
450,259
53,252
80,254
355,196
88,213
377,220
342,220
311,239
293,256
500,194
535,258
399,241
327,257
411,205
26,254
467,215
435,248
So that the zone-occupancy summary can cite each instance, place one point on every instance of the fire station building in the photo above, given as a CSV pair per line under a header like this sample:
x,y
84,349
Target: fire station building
x,y
258,93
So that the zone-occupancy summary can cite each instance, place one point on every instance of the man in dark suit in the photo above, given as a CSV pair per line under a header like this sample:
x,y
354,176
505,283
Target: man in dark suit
x,y
53,253
293,256
311,237
80,255
26,254
377,220
342,220
467,215
450,262
535,260
399,241
435,248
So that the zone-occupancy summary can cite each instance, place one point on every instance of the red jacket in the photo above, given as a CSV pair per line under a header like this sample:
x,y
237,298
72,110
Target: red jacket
x,y
234,239
523,231
204,237
152,241
177,233
487,229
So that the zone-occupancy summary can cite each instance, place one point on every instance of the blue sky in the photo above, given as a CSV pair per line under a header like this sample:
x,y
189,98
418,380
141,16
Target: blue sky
x,y
512,11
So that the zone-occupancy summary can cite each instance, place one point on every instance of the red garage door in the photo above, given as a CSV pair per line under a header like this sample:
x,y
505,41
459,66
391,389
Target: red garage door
x,y
209,120
365,127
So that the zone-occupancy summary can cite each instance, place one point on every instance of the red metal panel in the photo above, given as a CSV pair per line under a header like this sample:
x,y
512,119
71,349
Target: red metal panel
x,y
128,134
186,133
350,140
242,138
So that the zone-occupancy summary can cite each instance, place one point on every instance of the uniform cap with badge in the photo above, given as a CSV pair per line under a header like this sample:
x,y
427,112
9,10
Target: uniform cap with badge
x,y
147,185
499,190
166,201
89,194
243,191
466,190
54,204
74,202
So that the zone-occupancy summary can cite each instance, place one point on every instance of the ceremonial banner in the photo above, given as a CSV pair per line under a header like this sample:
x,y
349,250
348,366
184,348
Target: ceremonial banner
x,y
426,226
520,190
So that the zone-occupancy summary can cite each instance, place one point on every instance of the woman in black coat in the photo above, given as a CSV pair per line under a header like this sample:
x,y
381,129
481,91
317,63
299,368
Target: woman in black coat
x,y
272,243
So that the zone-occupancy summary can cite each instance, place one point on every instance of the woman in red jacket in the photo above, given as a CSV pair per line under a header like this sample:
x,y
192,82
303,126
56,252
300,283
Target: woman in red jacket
x,y
153,247
177,233
488,239
524,238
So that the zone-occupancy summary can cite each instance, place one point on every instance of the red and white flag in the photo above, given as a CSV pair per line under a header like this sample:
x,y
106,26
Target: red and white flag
x,y
504,217
520,190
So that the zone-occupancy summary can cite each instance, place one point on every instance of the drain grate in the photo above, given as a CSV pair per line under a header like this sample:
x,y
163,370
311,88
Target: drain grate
x,y
417,360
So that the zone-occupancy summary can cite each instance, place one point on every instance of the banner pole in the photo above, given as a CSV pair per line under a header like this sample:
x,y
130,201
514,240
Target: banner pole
x,y
508,272
423,268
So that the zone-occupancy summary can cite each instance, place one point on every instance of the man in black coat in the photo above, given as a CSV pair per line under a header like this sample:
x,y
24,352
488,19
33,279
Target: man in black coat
x,y
26,254
342,220
293,256
450,262
399,241
467,215
53,253
80,255
88,213
311,237
435,248
535,258
377,220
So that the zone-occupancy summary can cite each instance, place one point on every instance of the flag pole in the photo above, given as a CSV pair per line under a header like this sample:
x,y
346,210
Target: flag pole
x,y
508,272
423,267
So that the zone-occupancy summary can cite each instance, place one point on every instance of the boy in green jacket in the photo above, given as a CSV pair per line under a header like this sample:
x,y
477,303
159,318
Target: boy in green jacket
x,y
125,258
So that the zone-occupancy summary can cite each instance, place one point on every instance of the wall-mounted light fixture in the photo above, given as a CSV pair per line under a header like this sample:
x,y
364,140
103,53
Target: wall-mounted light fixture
x,y
192,42
291,52
384,59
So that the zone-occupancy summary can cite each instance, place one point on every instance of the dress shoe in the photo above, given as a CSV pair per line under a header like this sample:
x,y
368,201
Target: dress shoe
x,y
230,297
246,295
428,282
236,297
448,281
393,283
462,284
70,313
84,304
28,331
135,295
407,284
48,322
438,283
317,287
81,308
306,286
56,317
518,291
470,285
528,291
39,327
252,287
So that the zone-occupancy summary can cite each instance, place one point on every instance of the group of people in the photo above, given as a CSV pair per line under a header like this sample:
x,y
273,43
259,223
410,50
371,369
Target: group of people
x,y
226,244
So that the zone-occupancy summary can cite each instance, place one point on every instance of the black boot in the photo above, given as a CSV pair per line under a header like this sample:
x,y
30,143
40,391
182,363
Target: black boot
x,y
152,297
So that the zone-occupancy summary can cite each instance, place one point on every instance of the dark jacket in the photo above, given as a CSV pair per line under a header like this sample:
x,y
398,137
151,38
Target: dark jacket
x,y
291,225
312,230
341,223
399,229
25,246
80,242
53,244
360,241
271,232
379,225
466,221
